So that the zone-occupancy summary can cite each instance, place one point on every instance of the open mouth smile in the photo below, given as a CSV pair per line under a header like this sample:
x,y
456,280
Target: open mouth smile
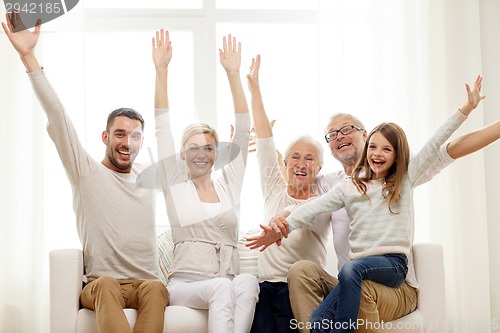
x,y
346,144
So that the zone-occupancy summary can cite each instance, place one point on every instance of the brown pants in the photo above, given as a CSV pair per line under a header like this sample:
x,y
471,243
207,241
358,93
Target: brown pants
x,y
309,284
108,297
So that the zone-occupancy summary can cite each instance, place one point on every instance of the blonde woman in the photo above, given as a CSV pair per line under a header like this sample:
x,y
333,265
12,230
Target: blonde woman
x,y
203,208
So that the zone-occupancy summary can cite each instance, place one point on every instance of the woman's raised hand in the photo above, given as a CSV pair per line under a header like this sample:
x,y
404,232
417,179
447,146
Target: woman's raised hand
x,y
230,55
162,49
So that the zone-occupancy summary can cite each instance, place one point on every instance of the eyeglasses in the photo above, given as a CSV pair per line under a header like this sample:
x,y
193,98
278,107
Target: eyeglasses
x,y
344,130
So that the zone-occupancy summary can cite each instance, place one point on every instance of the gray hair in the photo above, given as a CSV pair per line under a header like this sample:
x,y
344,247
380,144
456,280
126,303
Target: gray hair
x,y
307,139
355,120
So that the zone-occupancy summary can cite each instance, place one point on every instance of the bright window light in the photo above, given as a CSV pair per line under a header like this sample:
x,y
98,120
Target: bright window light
x,y
266,4
289,84
143,4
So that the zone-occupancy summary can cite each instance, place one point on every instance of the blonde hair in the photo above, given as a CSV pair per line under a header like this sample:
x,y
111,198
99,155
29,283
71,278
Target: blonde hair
x,y
199,128
362,173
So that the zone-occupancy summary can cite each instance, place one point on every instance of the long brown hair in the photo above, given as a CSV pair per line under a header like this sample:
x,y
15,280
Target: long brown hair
x,y
362,173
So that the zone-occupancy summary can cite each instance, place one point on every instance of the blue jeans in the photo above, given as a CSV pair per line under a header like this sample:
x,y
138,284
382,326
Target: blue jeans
x,y
273,311
339,310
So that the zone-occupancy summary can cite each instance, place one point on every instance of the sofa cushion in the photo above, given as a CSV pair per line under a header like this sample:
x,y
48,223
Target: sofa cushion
x,y
165,254
249,259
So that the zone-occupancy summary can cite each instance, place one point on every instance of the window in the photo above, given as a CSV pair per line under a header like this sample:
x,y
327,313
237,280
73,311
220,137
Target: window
x,y
172,4
318,58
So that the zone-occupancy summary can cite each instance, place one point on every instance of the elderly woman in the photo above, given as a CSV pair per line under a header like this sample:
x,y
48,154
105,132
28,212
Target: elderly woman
x,y
302,160
203,210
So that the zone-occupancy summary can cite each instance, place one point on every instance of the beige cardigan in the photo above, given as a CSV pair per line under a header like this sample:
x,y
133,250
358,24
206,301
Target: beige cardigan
x,y
205,246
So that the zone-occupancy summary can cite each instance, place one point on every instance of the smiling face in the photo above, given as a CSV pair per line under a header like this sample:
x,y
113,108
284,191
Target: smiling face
x,y
123,141
302,165
200,153
346,148
380,154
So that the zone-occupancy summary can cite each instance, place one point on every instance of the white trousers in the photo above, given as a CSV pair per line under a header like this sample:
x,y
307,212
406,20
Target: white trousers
x,y
230,302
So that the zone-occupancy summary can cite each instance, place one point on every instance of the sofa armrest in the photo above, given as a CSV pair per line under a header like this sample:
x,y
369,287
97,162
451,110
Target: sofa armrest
x,y
429,268
66,272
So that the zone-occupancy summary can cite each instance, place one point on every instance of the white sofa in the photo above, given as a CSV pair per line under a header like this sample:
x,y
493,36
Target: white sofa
x,y
430,315
66,270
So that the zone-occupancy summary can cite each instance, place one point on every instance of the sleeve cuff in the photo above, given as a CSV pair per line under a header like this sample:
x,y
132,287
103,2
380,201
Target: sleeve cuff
x,y
444,154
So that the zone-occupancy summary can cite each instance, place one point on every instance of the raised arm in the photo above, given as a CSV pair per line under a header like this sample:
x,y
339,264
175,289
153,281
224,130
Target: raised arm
x,y
162,53
230,59
74,158
429,155
272,177
473,96
24,41
474,141
263,128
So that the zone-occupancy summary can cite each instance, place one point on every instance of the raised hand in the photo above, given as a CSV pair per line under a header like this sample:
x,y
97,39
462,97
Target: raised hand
x,y
230,55
162,49
253,75
473,96
24,41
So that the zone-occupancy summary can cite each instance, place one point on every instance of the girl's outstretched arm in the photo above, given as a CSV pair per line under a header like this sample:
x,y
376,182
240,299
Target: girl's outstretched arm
x,y
430,152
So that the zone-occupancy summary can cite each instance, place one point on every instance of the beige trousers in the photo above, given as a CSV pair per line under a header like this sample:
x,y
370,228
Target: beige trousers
x,y
108,297
309,284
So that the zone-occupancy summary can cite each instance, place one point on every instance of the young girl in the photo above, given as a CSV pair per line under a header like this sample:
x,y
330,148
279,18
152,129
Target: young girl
x,y
203,210
377,198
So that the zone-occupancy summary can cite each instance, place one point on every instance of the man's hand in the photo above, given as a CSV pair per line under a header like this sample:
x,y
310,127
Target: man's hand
x,y
24,41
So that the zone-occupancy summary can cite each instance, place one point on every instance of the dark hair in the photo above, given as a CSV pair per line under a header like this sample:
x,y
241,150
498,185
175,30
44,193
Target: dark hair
x,y
124,112
362,173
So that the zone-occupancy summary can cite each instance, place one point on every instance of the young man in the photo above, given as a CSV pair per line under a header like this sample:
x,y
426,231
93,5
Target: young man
x,y
115,216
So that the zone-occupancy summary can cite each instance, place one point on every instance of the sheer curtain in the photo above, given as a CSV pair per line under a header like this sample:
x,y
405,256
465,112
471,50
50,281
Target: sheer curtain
x,y
36,216
407,62
21,200
490,26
